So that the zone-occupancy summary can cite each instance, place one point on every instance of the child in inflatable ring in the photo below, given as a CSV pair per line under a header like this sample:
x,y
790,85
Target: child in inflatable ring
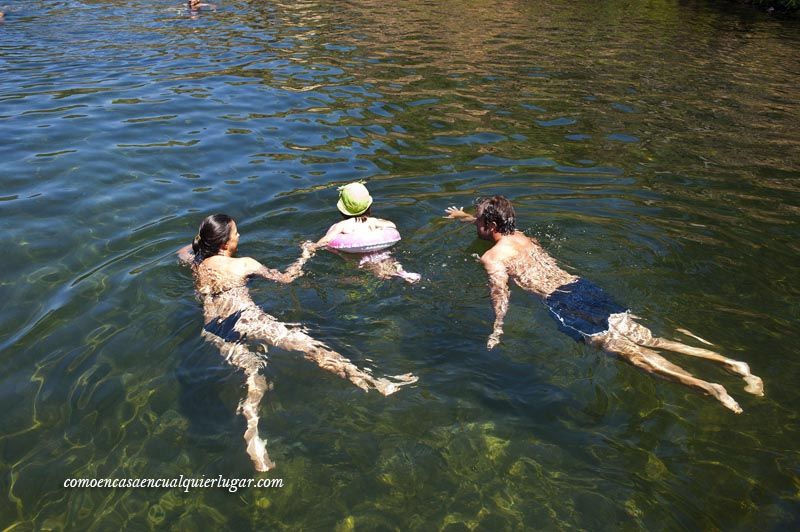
x,y
365,235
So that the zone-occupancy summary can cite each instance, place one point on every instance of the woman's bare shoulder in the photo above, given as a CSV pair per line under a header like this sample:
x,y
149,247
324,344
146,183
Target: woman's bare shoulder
x,y
220,263
242,266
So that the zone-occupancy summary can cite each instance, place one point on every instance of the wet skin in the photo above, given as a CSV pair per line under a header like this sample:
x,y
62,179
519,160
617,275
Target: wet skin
x,y
235,325
381,263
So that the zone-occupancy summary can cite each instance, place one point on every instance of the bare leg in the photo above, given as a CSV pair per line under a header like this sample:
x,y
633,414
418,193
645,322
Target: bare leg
x,y
266,328
639,334
256,447
384,266
691,334
327,359
249,362
754,383
652,362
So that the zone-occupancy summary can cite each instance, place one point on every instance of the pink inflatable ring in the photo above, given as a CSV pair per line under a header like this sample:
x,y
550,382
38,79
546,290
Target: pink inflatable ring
x,y
365,243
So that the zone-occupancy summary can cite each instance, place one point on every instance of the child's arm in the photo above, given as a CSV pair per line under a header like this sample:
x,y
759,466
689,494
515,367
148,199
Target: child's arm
x,y
457,213
334,231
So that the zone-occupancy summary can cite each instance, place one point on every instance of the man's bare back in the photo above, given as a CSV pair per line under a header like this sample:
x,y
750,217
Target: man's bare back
x,y
527,263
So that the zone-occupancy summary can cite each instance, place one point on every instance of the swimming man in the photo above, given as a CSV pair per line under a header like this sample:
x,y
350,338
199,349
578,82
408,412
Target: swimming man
x,y
582,309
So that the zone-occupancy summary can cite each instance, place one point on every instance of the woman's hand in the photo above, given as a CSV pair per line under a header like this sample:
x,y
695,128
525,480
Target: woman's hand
x,y
309,248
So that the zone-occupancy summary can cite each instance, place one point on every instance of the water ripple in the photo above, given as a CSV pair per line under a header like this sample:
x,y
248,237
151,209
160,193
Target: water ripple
x,y
650,146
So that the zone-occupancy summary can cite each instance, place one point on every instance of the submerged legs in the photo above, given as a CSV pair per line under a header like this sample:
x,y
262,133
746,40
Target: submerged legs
x,y
631,341
327,359
625,325
249,362
754,383
256,325
384,266
652,362
256,447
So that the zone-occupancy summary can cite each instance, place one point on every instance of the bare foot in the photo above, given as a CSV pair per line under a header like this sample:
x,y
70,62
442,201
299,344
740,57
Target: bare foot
x,y
257,449
409,277
387,387
754,385
723,397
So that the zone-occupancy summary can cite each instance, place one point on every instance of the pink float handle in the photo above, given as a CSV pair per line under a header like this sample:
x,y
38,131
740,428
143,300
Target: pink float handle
x,y
365,243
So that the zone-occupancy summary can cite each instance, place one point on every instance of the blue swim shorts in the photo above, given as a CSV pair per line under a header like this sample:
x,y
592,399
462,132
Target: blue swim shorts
x,y
582,308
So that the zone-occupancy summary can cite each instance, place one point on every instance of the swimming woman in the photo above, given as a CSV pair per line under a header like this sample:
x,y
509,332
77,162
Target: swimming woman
x,y
233,322
196,5
582,309
358,224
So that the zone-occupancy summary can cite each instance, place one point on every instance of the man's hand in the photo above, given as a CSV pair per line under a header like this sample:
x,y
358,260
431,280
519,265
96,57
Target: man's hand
x,y
457,213
494,339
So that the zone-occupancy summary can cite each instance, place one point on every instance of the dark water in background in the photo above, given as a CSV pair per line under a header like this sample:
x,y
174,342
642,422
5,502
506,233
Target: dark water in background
x,y
652,147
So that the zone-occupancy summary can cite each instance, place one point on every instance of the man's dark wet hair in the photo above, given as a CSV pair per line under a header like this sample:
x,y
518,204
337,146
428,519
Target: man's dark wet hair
x,y
214,232
497,210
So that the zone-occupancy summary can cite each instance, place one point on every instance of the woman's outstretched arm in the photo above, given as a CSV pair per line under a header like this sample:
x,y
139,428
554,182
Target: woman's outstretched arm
x,y
291,273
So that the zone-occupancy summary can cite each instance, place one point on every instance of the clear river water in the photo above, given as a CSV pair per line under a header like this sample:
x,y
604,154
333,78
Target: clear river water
x,y
652,147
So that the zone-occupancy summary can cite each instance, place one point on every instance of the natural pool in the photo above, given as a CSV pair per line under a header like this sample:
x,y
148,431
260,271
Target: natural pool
x,y
651,147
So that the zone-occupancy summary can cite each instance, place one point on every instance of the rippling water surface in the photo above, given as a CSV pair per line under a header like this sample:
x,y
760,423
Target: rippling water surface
x,y
650,146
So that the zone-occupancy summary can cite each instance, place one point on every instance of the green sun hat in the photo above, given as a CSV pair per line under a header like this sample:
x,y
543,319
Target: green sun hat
x,y
354,199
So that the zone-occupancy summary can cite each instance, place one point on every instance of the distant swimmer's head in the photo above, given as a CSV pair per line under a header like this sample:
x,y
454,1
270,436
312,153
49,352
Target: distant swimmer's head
x,y
495,215
354,200
217,233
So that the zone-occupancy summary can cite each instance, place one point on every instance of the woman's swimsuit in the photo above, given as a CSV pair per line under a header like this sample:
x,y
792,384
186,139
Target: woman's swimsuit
x,y
234,317
582,308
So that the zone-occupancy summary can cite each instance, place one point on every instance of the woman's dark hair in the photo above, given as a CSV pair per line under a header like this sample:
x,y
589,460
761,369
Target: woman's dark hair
x,y
497,210
214,232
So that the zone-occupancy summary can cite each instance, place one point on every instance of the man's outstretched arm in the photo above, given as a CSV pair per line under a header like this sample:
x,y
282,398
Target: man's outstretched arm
x,y
500,294
457,213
